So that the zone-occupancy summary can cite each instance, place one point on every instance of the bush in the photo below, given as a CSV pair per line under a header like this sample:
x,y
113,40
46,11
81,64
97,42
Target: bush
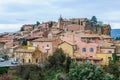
x,y
57,59
4,70
32,72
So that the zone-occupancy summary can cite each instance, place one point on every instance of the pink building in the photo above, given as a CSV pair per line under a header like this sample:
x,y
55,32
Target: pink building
x,y
28,27
87,44
47,45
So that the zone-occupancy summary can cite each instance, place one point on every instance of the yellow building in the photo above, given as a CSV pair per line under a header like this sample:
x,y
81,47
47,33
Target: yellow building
x,y
68,48
105,58
31,48
27,56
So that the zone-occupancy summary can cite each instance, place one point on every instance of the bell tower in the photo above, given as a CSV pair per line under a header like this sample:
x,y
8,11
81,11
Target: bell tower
x,y
60,22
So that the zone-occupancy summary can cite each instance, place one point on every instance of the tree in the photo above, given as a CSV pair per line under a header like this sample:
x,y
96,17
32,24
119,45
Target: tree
x,y
113,68
68,62
24,42
51,24
6,57
87,71
29,72
22,29
57,58
94,19
37,23
78,22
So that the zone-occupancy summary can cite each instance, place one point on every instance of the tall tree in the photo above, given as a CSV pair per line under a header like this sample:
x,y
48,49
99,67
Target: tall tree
x,y
79,22
21,29
51,24
94,19
37,23
57,58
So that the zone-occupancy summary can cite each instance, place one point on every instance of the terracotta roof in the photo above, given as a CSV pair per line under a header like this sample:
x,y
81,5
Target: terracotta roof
x,y
44,39
21,50
68,42
73,27
107,45
92,58
106,36
89,35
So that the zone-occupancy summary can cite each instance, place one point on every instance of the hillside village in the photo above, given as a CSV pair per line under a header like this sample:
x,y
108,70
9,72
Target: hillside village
x,y
80,38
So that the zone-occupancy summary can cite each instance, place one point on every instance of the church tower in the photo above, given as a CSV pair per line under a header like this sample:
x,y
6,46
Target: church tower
x,y
60,23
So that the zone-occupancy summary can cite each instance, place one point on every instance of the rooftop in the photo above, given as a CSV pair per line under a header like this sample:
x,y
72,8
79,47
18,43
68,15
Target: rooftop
x,y
24,50
44,39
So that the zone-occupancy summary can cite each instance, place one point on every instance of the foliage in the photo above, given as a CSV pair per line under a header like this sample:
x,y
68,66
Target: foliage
x,y
57,58
51,24
67,64
115,57
22,29
32,72
24,42
4,70
78,22
94,19
113,68
53,73
87,71
6,77
6,57
37,23
117,38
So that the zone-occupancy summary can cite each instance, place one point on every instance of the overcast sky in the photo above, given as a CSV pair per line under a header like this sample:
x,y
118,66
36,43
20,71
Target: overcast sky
x,y
15,13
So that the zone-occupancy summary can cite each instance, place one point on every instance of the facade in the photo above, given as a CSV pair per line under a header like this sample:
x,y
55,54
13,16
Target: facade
x,y
83,24
28,27
68,48
27,56
46,45
89,46
106,57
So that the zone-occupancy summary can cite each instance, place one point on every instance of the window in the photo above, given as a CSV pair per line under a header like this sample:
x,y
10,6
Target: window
x,y
83,49
47,45
109,51
81,23
91,50
29,61
23,61
37,60
17,59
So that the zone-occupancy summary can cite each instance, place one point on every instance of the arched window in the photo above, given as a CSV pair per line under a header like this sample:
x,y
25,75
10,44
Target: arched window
x,y
91,50
83,49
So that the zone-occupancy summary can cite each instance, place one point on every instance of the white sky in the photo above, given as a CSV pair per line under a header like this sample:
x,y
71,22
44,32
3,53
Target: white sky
x,y
15,13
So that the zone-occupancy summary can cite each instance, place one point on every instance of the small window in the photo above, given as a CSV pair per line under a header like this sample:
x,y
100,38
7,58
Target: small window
x,y
109,51
109,58
81,23
37,60
47,45
91,50
23,61
29,61
83,49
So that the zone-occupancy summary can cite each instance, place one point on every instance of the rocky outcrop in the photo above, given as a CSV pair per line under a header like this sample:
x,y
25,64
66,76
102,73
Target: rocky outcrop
x,y
106,29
